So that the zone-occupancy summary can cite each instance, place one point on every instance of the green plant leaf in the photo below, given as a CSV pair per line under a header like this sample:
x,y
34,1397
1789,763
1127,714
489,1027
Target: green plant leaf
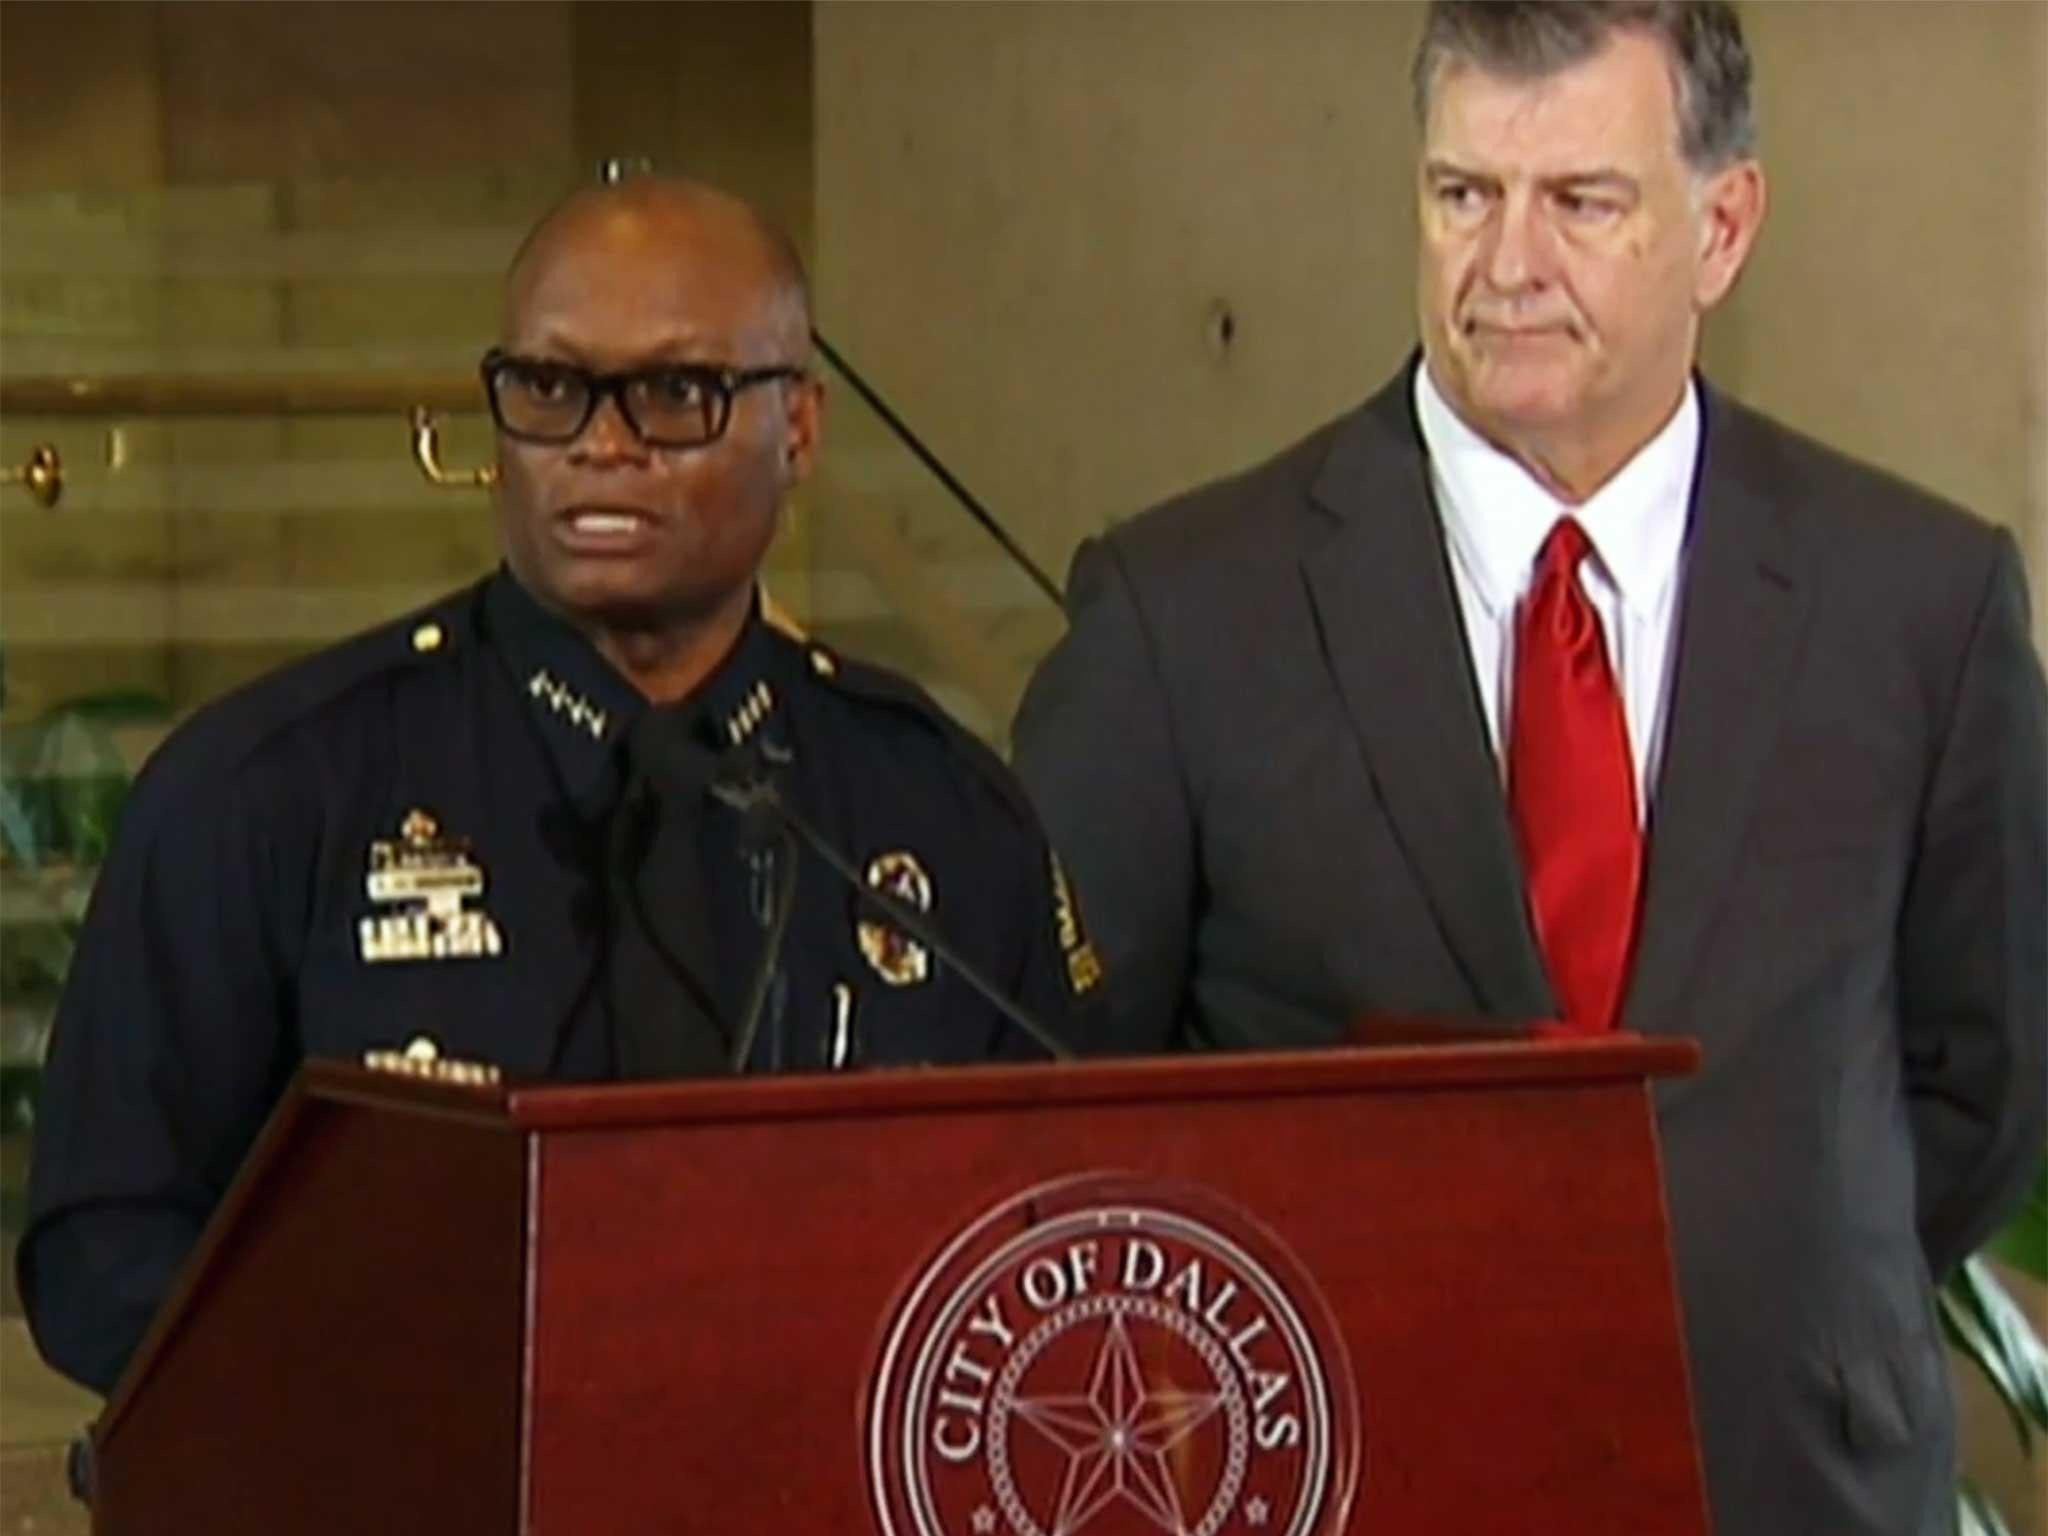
x,y
1976,1515
74,777
1989,1328
2023,1242
87,808
1965,1333
18,826
22,748
38,953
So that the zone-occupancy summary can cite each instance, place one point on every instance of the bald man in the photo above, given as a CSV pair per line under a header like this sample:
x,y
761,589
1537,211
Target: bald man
x,y
543,744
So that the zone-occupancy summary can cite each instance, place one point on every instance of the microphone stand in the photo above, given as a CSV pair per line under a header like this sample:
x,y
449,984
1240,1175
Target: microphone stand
x,y
778,924
754,797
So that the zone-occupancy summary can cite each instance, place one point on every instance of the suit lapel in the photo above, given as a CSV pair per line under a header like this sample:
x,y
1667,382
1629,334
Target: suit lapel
x,y
1748,589
1375,566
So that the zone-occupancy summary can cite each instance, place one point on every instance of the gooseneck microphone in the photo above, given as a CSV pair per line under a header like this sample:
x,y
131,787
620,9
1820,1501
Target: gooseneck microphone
x,y
739,783
760,833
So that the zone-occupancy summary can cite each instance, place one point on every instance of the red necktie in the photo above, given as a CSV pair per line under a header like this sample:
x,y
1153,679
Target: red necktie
x,y
1572,789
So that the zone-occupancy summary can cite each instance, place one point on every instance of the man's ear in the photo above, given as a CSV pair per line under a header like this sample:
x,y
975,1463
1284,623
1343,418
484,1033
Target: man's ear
x,y
803,405
1732,206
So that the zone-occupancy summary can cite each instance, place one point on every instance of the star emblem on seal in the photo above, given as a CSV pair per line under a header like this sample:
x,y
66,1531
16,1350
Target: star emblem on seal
x,y
1117,1435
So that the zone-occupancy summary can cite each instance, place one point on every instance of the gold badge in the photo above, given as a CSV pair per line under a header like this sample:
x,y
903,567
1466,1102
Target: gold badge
x,y
898,959
424,879
1084,966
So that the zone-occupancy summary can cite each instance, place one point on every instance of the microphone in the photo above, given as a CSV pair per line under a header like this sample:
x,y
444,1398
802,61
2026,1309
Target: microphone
x,y
761,833
739,784
688,767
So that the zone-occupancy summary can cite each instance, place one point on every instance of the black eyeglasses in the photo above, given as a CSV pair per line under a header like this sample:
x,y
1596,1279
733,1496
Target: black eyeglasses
x,y
677,405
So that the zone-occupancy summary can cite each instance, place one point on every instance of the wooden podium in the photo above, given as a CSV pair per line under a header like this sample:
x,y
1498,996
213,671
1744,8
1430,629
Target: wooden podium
x,y
1408,1290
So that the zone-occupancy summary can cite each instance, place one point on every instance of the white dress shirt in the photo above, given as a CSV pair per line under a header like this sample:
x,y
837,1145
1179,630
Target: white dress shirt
x,y
1496,516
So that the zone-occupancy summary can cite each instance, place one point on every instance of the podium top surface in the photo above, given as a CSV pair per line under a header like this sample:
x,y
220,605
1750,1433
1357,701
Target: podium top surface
x,y
1492,1064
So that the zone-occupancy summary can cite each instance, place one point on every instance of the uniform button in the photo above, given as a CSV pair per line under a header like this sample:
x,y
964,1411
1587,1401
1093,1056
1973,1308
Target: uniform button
x,y
823,664
427,637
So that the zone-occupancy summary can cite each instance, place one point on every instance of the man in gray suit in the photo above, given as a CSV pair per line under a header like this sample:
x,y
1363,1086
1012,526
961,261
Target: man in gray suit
x,y
1551,684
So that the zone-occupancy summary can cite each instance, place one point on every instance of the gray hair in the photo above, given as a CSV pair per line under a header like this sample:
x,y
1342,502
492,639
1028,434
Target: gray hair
x,y
1529,39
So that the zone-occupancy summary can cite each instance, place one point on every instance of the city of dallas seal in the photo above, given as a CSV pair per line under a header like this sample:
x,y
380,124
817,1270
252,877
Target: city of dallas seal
x,y
1112,1355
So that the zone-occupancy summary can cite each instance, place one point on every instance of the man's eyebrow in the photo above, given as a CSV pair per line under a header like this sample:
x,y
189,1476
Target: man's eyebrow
x,y
550,346
1450,170
1603,178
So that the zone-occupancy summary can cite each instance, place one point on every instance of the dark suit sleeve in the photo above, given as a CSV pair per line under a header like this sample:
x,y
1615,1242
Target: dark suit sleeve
x,y
166,1054
1095,748
1973,939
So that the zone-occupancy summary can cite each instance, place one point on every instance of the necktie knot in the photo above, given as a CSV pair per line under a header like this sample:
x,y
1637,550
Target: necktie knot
x,y
1563,550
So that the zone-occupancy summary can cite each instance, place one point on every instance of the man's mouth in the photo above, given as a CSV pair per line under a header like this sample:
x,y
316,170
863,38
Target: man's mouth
x,y
601,523
1558,331
603,529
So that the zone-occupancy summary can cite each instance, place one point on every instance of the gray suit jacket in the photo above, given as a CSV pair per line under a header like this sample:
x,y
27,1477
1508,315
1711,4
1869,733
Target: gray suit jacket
x,y
1261,753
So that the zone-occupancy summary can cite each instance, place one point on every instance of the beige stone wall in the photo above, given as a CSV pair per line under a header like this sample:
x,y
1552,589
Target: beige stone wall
x,y
1033,220
1097,253
1897,305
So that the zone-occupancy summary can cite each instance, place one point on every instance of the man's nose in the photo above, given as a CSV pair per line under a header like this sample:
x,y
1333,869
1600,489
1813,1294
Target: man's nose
x,y
1518,252
608,435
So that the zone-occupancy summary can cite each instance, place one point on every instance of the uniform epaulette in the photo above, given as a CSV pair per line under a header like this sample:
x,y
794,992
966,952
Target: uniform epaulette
x,y
225,729
871,684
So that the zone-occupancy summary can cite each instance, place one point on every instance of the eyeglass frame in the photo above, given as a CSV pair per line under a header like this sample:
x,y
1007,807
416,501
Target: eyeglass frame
x,y
722,381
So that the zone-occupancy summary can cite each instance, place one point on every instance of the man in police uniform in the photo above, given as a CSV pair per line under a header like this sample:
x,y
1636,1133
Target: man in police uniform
x,y
489,825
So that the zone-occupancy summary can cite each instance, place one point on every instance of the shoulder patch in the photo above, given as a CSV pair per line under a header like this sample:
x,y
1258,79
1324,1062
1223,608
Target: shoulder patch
x,y
1084,966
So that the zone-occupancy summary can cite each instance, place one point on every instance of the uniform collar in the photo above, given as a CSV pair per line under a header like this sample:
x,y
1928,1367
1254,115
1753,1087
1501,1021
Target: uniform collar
x,y
1496,515
582,707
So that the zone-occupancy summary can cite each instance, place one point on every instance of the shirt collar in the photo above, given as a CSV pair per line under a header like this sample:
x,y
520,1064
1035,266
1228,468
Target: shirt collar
x,y
583,707
1497,515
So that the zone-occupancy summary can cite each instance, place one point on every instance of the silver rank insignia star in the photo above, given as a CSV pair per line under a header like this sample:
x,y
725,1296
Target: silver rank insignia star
x,y
425,878
897,958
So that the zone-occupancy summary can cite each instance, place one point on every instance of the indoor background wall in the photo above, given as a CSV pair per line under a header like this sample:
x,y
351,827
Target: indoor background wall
x,y
1102,252
1898,305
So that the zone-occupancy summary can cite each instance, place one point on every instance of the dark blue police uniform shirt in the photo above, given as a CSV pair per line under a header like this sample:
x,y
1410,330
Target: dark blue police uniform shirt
x,y
408,835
